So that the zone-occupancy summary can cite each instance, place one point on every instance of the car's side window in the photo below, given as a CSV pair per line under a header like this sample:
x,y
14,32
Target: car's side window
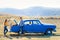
x,y
36,22
28,23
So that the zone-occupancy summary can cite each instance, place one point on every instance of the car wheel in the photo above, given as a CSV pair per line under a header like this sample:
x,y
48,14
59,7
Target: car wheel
x,y
49,32
20,32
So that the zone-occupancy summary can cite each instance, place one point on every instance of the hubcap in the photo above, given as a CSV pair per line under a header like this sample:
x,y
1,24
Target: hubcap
x,y
20,32
49,32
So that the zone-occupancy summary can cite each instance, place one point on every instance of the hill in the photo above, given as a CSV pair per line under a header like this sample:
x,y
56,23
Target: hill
x,y
32,11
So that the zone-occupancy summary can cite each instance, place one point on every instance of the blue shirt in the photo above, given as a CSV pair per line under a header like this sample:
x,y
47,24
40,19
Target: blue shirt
x,y
21,23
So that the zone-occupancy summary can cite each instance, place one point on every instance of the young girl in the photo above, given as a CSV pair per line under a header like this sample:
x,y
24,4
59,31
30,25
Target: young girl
x,y
5,27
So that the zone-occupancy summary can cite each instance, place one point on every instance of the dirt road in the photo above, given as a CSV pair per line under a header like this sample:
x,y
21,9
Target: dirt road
x,y
31,37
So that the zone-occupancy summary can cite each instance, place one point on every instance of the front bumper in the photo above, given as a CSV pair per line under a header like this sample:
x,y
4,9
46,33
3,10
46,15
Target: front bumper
x,y
54,30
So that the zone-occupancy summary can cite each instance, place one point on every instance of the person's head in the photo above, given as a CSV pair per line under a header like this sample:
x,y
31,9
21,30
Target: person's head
x,y
21,18
5,20
29,22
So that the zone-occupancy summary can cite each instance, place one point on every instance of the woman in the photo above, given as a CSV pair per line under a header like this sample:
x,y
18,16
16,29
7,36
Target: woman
x,y
5,27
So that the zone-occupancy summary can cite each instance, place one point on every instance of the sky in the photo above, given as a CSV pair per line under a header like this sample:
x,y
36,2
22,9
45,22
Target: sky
x,y
22,4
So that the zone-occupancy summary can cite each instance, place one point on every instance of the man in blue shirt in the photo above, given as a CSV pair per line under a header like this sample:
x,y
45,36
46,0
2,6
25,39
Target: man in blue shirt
x,y
21,24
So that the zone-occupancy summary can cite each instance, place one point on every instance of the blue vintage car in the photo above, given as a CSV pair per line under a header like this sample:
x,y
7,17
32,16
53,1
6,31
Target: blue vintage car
x,y
34,26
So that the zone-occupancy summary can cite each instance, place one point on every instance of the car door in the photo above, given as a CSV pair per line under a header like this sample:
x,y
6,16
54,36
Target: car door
x,y
27,26
37,27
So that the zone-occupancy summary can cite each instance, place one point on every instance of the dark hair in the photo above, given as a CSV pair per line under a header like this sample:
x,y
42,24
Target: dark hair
x,y
5,20
20,17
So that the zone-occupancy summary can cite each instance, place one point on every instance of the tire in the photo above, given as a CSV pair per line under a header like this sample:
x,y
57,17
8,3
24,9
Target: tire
x,y
20,32
48,32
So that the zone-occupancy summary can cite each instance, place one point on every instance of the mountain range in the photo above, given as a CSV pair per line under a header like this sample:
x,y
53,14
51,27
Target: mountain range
x,y
32,11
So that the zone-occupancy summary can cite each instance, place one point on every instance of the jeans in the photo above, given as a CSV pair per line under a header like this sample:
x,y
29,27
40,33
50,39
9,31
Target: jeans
x,y
21,29
5,30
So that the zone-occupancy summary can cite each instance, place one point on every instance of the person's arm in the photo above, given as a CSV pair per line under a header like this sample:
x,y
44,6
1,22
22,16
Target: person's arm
x,y
15,21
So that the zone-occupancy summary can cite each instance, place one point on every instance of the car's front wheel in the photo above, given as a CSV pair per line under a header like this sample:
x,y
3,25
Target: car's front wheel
x,y
48,32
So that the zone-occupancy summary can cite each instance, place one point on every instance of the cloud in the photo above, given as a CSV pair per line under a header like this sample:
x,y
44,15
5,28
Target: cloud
x,y
21,4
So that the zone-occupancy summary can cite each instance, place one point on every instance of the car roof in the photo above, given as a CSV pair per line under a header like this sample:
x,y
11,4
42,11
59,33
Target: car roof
x,y
30,20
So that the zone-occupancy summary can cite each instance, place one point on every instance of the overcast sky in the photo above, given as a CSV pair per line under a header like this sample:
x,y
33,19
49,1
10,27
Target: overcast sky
x,y
21,4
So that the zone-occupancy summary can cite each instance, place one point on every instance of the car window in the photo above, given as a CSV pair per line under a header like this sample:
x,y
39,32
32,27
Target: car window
x,y
28,22
36,22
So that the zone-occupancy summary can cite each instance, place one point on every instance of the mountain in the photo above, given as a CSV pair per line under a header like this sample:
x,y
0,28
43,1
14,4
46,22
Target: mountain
x,y
6,14
32,11
42,11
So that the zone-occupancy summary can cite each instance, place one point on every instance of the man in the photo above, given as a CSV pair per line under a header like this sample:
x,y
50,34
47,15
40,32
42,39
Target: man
x,y
21,24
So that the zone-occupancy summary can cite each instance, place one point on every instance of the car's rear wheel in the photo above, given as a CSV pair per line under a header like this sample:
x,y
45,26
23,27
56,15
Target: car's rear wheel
x,y
20,32
48,32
